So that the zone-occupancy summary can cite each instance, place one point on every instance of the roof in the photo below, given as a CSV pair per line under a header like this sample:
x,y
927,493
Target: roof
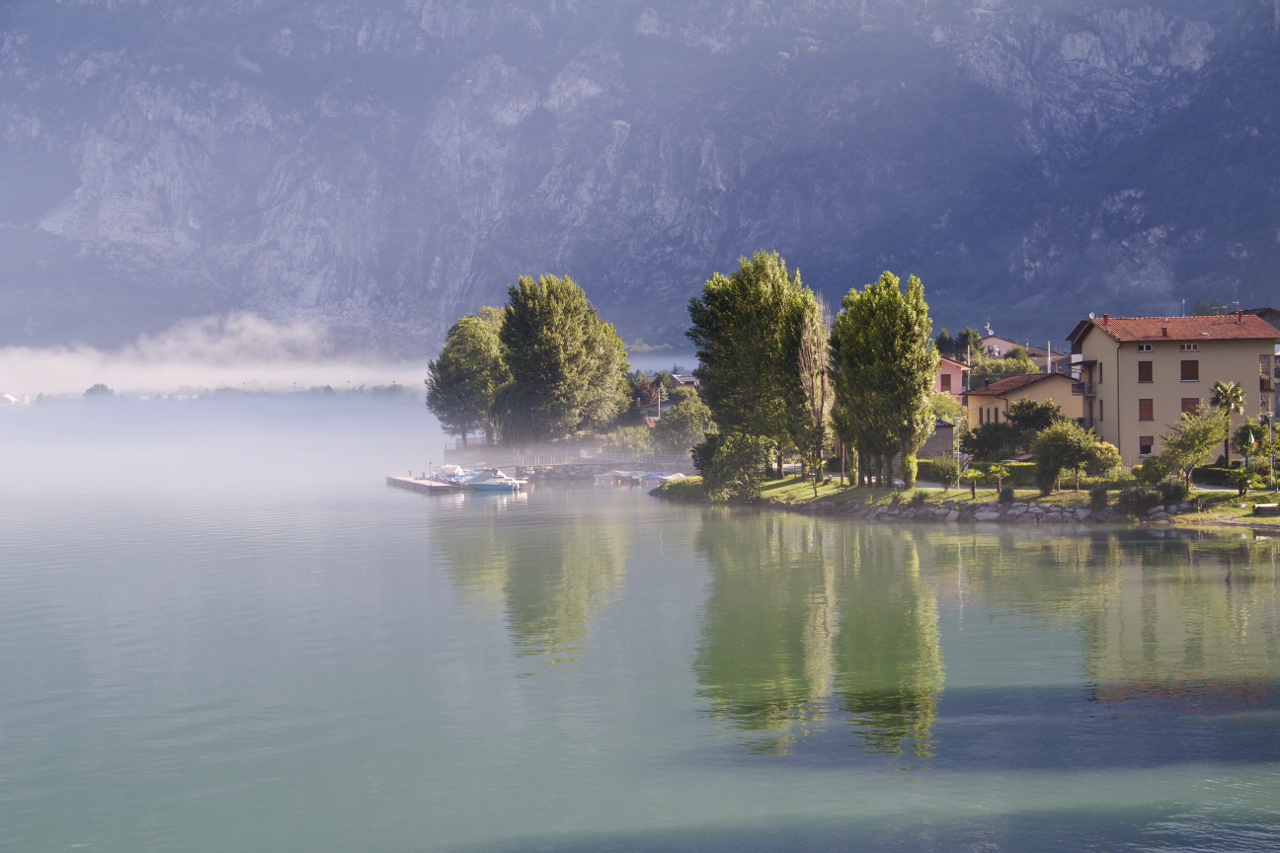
x,y
1227,327
959,364
1009,384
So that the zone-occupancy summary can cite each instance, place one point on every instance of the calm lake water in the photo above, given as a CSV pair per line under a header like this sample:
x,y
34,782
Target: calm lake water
x,y
220,630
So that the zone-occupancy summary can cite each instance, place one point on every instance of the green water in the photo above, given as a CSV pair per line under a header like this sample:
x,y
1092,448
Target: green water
x,y
220,630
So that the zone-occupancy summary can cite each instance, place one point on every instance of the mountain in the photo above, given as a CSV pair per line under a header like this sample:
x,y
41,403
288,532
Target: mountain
x,y
386,166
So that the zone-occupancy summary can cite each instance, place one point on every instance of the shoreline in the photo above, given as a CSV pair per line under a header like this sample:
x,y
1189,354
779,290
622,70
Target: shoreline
x,y
1016,514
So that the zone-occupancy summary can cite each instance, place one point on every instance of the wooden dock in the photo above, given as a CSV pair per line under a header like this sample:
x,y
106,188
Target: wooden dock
x,y
426,487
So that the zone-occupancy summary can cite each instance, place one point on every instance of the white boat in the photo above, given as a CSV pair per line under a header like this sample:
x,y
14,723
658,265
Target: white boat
x,y
493,480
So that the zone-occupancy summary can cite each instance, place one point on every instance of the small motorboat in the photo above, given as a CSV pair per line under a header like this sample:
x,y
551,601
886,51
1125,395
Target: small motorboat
x,y
493,480
454,475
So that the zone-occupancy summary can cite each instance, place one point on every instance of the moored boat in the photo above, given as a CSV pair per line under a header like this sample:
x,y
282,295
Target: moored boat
x,y
493,480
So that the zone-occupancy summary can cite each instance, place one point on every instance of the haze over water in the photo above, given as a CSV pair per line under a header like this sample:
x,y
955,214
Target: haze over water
x,y
220,630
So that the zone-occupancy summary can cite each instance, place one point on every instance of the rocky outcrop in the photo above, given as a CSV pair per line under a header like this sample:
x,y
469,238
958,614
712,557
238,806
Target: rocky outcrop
x,y
384,168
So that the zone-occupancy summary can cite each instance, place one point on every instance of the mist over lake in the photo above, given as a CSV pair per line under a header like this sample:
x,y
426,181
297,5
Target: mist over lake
x,y
221,630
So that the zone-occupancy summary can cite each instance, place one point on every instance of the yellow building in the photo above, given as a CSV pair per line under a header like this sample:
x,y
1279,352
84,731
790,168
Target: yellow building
x,y
990,403
1137,375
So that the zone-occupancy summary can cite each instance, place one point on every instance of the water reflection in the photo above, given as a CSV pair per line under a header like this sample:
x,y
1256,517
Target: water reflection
x,y
804,620
550,568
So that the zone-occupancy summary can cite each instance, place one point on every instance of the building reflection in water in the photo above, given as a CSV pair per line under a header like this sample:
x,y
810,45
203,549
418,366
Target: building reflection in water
x,y
549,571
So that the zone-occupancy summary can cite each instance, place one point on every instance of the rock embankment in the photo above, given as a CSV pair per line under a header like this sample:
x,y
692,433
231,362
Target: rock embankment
x,y
963,512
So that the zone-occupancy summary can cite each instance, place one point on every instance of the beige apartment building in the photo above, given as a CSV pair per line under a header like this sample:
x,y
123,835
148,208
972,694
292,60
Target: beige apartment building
x,y
989,403
1137,375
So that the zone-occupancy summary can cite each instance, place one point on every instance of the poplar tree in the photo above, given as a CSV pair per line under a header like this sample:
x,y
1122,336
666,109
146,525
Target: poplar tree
x,y
462,382
884,363
567,366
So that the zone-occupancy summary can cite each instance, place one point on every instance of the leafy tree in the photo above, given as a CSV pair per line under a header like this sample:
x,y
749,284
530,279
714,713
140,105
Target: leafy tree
x,y
999,472
1204,309
808,333
947,470
738,467
633,440
686,424
1028,416
1190,442
1105,459
991,441
738,327
1250,439
1063,445
945,408
567,366
946,344
968,344
98,391
884,364
1228,397
461,383
643,391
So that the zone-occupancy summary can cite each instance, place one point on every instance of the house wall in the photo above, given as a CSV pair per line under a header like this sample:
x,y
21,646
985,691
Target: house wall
x,y
1056,388
1119,390
957,379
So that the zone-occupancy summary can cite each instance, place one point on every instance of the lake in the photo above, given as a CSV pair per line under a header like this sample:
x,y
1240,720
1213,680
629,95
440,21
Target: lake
x,y
220,630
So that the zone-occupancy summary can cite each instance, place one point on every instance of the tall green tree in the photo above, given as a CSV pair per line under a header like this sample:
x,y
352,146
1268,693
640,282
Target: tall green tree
x,y
686,424
747,367
567,366
462,382
1061,445
884,363
1227,397
808,339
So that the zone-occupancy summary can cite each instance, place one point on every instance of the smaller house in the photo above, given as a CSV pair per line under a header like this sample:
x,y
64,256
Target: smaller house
x,y
1269,315
941,444
950,378
1049,360
989,403
684,380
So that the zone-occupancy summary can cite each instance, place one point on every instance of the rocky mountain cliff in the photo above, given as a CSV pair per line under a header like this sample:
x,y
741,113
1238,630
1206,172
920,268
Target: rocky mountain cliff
x,y
387,166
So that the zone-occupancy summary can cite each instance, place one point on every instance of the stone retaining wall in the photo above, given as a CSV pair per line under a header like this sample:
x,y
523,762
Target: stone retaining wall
x,y
545,473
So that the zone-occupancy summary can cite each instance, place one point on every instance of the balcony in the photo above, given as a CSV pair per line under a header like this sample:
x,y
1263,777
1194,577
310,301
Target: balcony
x,y
1085,422
1264,384
1082,389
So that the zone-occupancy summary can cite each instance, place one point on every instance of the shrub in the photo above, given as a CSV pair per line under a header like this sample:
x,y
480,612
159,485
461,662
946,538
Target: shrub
x,y
738,467
1137,499
1151,471
704,452
1006,495
907,468
1172,490
944,470
918,498
1098,496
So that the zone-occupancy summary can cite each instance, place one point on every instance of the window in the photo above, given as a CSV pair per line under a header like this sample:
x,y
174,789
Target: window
x,y
946,382
1099,374
1190,348
1145,444
1191,371
1099,410
1146,410
1144,371
1190,404
1144,347
1264,373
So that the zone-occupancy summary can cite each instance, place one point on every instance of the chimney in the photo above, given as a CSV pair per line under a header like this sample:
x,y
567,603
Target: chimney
x,y
1105,318
1164,331
1240,316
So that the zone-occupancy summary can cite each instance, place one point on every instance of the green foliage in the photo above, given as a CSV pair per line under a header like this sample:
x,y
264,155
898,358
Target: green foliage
x,y
1228,397
1138,499
907,468
1104,460
567,366
806,341
1028,416
738,467
739,328
944,470
683,426
945,408
461,384
884,364
986,367
967,342
1205,309
704,452
1098,496
633,440
98,391
991,441
1152,470
1061,446
1191,441
1172,490
1006,495
1251,440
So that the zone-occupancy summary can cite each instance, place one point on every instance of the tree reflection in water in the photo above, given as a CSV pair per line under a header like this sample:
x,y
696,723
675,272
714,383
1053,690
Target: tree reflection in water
x,y
803,619
550,572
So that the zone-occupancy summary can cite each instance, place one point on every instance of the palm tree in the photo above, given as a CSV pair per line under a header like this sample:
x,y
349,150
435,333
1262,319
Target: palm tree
x,y
1228,397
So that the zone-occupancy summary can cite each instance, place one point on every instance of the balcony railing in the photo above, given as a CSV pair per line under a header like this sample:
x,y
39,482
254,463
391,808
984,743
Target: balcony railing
x,y
1264,383
1082,389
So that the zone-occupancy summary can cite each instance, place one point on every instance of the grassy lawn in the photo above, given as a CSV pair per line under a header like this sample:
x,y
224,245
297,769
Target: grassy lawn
x,y
1221,505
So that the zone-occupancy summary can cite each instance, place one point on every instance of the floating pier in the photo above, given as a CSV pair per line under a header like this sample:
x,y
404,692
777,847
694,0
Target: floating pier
x,y
428,487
